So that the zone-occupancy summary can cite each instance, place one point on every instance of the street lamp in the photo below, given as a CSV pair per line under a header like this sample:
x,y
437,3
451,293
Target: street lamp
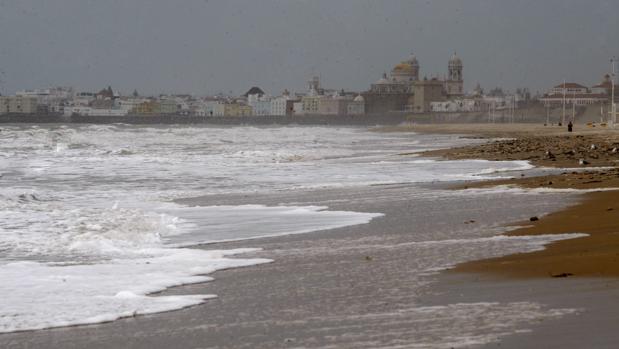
x,y
613,106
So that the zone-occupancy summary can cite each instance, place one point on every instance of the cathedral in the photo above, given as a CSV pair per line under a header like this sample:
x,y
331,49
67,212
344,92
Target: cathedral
x,y
403,90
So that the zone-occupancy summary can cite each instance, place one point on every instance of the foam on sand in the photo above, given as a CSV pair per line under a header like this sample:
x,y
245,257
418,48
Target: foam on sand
x,y
97,265
64,295
517,190
231,223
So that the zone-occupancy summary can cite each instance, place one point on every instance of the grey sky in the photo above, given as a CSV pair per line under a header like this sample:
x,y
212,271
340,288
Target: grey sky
x,y
210,46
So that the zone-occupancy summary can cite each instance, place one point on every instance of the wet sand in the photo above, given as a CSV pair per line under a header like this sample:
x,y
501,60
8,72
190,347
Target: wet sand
x,y
594,326
596,255
581,272
597,214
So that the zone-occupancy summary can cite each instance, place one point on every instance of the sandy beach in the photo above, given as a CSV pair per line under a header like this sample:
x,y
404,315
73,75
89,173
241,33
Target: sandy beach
x,y
590,263
596,214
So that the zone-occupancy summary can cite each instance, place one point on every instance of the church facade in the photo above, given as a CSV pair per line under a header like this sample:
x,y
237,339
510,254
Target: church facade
x,y
396,92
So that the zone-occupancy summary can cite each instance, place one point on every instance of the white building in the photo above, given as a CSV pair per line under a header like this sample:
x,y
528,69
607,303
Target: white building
x,y
253,98
357,106
129,104
42,95
297,108
282,105
260,104
568,88
83,98
18,105
4,105
170,106
219,109
209,107
333,105
50,99
262,107
456,105
572,93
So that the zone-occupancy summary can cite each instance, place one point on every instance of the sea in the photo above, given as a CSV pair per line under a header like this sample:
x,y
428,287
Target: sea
x,y
91,227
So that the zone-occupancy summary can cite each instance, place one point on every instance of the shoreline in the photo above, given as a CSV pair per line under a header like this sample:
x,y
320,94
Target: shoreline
x,y
595,214
357,286
596,255
579,272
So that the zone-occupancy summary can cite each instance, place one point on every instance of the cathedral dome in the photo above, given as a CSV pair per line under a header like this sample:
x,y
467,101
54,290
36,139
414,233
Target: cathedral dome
x,y
359,98
412,60
403,67
455,60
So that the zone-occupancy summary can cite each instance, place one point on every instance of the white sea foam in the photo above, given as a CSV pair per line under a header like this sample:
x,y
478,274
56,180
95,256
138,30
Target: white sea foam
x,y
531,242
493,246
516,190
227,223
476,323
514,166
37,295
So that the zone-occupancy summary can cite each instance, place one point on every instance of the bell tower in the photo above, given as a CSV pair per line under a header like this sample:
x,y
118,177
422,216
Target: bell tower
x,y
454,85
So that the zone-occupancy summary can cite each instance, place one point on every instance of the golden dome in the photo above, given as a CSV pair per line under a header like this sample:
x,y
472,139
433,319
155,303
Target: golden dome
x,y
403,67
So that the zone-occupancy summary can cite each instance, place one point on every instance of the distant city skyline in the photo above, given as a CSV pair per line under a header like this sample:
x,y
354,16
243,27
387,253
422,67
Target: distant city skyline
x,y
209,46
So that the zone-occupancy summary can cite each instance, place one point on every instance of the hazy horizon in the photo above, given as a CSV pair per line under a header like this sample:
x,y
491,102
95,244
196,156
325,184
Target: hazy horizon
x,y
207,47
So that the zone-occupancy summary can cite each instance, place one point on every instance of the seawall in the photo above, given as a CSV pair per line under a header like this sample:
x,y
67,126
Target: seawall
x,y
364,120
532,114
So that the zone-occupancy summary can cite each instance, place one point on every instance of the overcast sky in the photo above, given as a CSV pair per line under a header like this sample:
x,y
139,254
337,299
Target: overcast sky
x,y
211,46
